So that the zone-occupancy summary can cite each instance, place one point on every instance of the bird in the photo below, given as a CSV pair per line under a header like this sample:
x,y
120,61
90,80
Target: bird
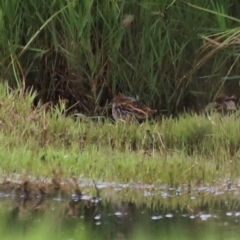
x,y
128,108
227,102
223,104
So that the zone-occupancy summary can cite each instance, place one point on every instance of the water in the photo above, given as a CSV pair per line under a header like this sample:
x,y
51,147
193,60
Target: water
x,y
190,217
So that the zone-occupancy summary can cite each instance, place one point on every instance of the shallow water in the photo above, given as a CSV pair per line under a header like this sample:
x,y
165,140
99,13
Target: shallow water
x,y
206,214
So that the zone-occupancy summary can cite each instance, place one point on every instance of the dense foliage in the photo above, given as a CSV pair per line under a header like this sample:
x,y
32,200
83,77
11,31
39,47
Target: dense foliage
x,y
170,54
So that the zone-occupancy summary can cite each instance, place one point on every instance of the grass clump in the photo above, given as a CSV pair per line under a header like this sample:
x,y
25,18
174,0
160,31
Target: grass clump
x,y
191,149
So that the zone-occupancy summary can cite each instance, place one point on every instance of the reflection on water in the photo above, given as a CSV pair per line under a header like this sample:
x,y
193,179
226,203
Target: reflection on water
x,y
93,219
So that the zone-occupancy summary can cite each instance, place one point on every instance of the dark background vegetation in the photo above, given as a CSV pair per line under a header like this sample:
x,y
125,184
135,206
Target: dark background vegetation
x,y
172,55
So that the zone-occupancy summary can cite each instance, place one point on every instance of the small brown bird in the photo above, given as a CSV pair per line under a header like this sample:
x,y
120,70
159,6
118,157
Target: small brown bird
x,y
223,104
129,108
227,102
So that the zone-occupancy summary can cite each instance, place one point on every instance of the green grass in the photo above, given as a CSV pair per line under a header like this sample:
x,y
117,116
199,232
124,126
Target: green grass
x,y
189,150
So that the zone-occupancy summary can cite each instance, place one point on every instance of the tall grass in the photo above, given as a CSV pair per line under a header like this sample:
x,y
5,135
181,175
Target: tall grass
x,y
85,51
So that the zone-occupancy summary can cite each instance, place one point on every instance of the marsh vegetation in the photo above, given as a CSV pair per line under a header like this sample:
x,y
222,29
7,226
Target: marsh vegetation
x,y
61,64
173,55
190,150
